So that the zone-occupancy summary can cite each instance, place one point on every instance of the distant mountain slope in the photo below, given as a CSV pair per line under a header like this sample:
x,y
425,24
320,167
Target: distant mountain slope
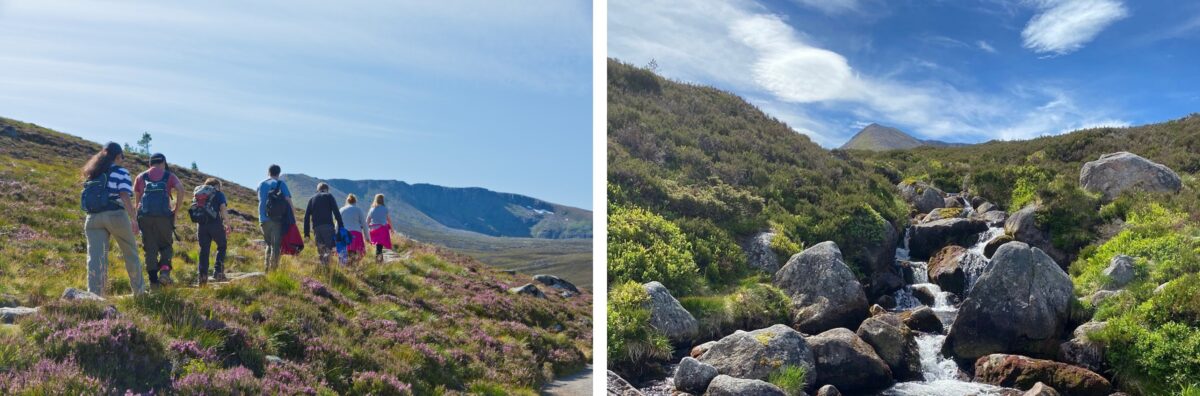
x,y
877,137
496,228
468,209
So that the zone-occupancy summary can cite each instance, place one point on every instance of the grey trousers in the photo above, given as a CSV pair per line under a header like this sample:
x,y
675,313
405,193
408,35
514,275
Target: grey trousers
x,y
273,236
98,228
158,241
325,242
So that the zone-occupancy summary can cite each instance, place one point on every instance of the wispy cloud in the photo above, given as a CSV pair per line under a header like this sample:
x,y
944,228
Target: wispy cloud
x,y
983,45
1064,26
832,6
736,45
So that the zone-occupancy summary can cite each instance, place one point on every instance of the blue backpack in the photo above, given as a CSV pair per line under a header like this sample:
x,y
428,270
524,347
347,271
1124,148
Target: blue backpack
x,y
155,200
95,197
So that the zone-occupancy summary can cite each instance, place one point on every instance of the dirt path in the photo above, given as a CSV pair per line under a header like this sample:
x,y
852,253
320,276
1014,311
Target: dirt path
x,y
576,384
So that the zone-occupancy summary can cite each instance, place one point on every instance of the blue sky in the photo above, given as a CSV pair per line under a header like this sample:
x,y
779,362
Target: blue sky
x,y
456,93
960,71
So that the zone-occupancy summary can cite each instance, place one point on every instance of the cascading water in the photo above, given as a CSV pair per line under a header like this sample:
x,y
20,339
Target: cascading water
x,y
941,375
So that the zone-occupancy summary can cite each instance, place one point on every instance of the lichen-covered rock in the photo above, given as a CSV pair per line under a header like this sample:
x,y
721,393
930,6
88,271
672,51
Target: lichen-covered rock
x,y
700,349
1021,304
1117,172
824,292
848,362
759,253
693,376
668,316
1022,226
895,343
925,239
756,354
1083,351
725,385
1120,272
922,196
1024,372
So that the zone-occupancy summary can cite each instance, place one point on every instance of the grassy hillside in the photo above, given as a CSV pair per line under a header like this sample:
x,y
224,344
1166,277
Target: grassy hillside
x,y
695,171
570,258
433,321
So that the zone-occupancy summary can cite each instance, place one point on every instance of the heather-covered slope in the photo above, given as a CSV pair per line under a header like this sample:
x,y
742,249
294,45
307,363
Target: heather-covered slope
x,y
428,321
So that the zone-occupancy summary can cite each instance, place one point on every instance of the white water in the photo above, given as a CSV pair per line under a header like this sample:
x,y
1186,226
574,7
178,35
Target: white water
x,y
941,374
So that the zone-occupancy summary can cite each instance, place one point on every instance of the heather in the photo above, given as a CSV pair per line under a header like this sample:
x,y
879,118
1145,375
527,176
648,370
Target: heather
x,y
428,321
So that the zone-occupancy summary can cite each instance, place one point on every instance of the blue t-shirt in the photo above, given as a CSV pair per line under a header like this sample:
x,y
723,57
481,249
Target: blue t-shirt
x,y
265,188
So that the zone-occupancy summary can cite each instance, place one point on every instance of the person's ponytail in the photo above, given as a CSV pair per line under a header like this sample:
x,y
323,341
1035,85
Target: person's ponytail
x,y
101,161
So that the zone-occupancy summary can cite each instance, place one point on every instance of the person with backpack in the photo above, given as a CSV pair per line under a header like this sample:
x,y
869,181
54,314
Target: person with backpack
x,y
380,223
274,209
356,224
158,193
322,210
107,191
208,212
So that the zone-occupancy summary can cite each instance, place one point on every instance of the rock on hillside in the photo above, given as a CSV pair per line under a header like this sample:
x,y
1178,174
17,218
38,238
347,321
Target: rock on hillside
x,y
922,196
1117,172
756,354
825,294
925,239
1022,226
668,316
1021,304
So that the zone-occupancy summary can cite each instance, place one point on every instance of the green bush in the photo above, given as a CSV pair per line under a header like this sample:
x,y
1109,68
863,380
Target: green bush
x,y
644,247
757,305
1157,360
715,252
631,340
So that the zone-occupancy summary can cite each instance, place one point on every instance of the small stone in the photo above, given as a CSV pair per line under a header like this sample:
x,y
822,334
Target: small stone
x,y
527,289
272,359
75,294
1120,272
693,376
725,385
9,315
828,390
1040,389
556,282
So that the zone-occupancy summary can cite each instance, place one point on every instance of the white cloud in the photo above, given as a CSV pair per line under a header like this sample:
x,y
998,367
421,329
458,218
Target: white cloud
x,y
737,45
832,6
983,45
1064,26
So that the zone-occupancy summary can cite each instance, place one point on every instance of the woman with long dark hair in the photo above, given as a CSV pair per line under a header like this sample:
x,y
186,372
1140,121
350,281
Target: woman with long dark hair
x,y
110,213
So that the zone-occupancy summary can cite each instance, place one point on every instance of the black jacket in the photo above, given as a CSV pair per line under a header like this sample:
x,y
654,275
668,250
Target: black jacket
x,y
322,209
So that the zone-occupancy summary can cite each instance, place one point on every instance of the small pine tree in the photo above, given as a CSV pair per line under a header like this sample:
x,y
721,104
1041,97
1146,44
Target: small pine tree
x,y
194,167
129,149
144,143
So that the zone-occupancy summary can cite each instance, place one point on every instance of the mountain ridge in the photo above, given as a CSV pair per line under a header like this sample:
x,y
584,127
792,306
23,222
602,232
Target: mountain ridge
x,y
876,137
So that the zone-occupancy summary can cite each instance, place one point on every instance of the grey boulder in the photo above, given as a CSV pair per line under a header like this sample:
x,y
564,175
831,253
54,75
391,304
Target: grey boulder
x,y
72,293
1117,172
848,362
824,292
756,354
922,196
8,315
895,343
1022,226
925,239
668,316
759,254
618,386
693,376
528,289
556,282
725,385
1021,304
1120,272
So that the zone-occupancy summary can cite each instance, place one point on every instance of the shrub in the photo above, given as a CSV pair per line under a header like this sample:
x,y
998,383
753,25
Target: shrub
x,y
114,350
790,379
49,377
644,247
784,247
631,340
713,249
757,305
1158,360
236,381
380,384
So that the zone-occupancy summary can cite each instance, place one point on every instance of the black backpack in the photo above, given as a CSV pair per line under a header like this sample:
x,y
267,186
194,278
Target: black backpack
x,y
277,204
95,197
203,214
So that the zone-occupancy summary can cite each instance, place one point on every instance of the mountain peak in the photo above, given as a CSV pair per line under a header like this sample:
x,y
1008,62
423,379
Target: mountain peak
x,y
877,137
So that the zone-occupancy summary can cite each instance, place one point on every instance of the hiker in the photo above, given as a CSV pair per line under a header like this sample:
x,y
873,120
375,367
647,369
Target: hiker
x,y
158,194
274,208
380,223
355,221
208,212
322,210
107,189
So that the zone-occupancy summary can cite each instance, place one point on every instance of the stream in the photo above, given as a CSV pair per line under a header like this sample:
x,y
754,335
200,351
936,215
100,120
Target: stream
x,y
941,375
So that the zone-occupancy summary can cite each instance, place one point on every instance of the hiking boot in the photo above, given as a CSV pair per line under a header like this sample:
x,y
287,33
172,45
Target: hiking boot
x,y
164,277
200,283
220,277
